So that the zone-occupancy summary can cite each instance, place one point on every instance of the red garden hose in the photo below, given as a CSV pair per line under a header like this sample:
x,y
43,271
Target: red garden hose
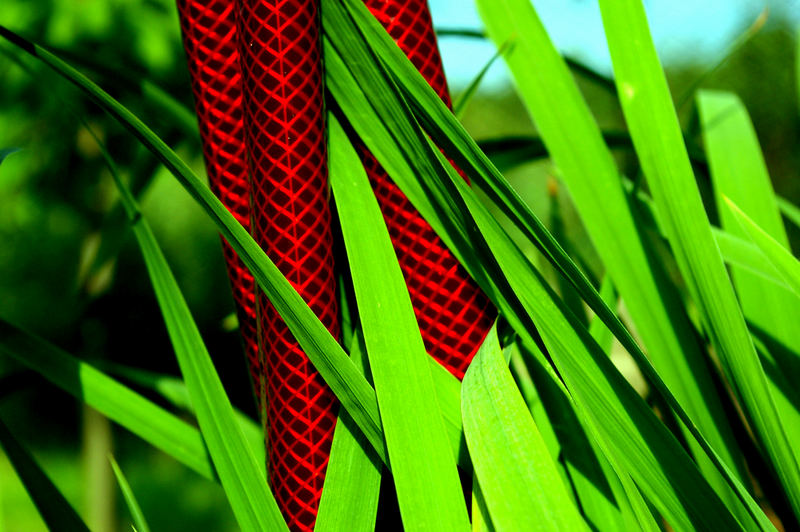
x,y
454,316
210,42
284,120
269,98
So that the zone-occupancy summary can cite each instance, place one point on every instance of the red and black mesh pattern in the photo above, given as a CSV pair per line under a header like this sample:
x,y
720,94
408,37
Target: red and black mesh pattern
x,y
281,63
454,316
209,39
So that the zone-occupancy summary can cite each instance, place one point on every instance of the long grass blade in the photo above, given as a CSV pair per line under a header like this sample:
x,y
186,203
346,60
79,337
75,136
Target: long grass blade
x,y
789,210
608,501
596,486
784,262
460,104
446,381
174,391
139,522
744,255
55,510
119,403
519,482
153,424
423,463
252,502
654,127
362,77
739,172
353,478
575,143
598,389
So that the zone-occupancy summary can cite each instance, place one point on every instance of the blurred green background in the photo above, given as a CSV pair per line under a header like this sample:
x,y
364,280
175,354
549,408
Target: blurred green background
x,y
70,273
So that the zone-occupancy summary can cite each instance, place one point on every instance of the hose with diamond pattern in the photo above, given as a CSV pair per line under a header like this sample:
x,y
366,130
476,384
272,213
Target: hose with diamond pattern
x,y
284,120
211,46
453,314
269,99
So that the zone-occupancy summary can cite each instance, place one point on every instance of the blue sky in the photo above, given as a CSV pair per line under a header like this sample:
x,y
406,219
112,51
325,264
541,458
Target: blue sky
x,y
684,30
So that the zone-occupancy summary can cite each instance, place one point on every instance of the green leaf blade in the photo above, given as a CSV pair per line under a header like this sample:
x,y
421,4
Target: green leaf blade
x,y
576,145
353,478
119,403
739,173
423,463
460,104
657,137
137,515
55,510
520,484
783,261
240,475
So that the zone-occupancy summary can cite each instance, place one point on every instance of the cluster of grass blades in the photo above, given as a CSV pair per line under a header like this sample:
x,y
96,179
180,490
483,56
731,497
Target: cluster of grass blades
x,y
550,432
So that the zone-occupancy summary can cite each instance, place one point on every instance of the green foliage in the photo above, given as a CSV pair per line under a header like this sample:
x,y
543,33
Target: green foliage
x,y
518,480
655,131
353,478
423,464
137,516
239,472
576,145
53,507
783,261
